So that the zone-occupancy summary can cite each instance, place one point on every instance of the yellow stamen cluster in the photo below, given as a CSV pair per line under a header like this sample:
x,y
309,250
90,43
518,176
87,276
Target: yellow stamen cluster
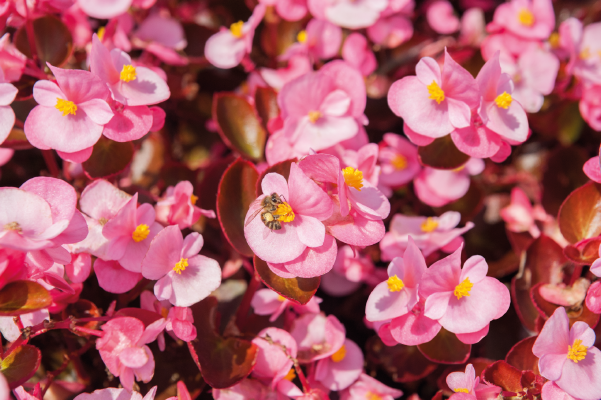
x,y
429,225
436,93
13,226
372,396
526,17
554,40
585,54
462,390
399,162
101,32
285,212
193,199
577,352
290,375
339,355
281,298
128,73
395,284
353,177
463,289
65,106
180,266
503,100
236,29
301,37
140,233
314,116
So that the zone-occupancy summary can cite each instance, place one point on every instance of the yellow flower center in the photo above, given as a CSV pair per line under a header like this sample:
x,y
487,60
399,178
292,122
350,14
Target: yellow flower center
x,y
399,162
436,93
314,116
193,199
503,100
395,284
554,40
285,212
180,266
290,375
463,289
101,32
461,390
301,37
339,355
429,224
102,221
128,73
13,226
281,298
577,352
236,29
65,106
140,233
526,17
353,177
372,396
585,54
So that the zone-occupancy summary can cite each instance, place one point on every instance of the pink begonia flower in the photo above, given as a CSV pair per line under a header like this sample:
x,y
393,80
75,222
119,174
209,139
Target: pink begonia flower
x,y
435,102
227,48
428,233
79,25
268,302
7,116
12,61
564,295
11,332
441,17
397,295
567,356
123,349
341,369
317,336
473,27
356,52
391,30
367,387
256,389
148,301
273,363
78,270
304,206
551,391
117,394
178,206
352,14
298,65
520,216
533,75
464,300
184,276
398,159
593,297
364,159
528,19
590,106
71,114
114,278
321,40
413,328
437,187
583,48
349,272
180,322
129,233
103,9
467,386
596,266
290,10
162,36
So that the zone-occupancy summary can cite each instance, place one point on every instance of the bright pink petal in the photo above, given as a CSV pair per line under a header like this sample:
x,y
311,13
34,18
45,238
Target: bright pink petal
x,y
474,337
133,357
554,337
411,329
224,50
130,123
384,304
340,375
475,268
113,278
148,88
165,250
314,261
306,198
275,183
79,86
78,156
592,169
311,232
581,380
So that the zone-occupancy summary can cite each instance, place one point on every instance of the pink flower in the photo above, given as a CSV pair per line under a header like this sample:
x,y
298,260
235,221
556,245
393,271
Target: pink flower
x,y
273,361
567,356
12,61
553,392
290,10
467,385
341,369
114,393
304,206
178,206
435,102
356,52
437,187
528,19
103,9
590,106
113,278
367,387
397,295
398,161
520,216
364,159
227,48
71,115
7,116
184,276
298,65
428,233
268,302
463,300
352,14
473,27
317,336
391,30
582,45
349,272
441,17
123,349
411,329
180,323
162,36
129,233
321,40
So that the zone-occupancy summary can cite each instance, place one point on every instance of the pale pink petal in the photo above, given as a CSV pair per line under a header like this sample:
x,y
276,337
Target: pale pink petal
x,y
130,123
78,156
311,232
148,88
580,379
192,245
133,357
45,93
164,252
197,281
224,50
340,375
104,9
474,337
592,169
411,329
306,197
314,261
384,304
475,268
275,183
441,18
113,278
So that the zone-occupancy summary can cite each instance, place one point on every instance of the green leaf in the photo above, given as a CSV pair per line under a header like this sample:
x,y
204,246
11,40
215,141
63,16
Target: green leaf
x,y
53,40
108,158
22,297
580,214
445,348
20,365
299,290
442,154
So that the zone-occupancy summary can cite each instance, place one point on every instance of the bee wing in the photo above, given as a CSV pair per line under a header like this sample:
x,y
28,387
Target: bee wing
x,y
254,214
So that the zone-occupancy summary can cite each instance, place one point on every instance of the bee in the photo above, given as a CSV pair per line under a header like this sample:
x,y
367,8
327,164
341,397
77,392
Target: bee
x,y
269,205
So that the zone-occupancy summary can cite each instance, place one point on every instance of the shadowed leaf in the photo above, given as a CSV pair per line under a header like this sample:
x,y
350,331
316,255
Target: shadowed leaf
x,y
20,365
442,154
22,297
108,158
53,40
445,348
299,290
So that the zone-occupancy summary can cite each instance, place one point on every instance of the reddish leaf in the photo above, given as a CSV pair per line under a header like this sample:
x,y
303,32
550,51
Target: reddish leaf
x,y
222,361
282,168
239,125
504,375
507,265
266,104
210,183
22,297
53,40
146,316
84,309
17,140
580,214
561,178
299,290
235,194
521,357
442,154
584,252
108,158
445,348
520,241
20,365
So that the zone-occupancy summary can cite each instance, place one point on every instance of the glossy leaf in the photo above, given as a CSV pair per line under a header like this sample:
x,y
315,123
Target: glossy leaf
x,y
239,125
580,214
521,357
504,375
222,361
282,168
17,140
266,104
108,158
442,154
20,365
235,194
561,178
445,348
299,290
22,297
210,183
584,252
53,40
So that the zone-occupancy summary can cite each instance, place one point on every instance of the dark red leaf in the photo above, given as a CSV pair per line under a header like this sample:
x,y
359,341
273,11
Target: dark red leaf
x,y
20,365
445,348
266,104
561,178
442,154
584,252
580,214
22,297
146,316
17,140
210,183
108,158
521,357
53,40
299,290
504,375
